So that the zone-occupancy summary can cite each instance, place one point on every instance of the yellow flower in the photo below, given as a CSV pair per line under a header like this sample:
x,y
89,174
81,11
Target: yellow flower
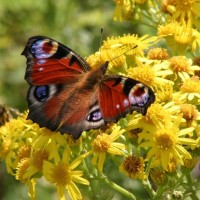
x,y
157,54
123,9
150,75
10,141
116,50
133,167
164,92
190,163
190,114
145,74
21,169
159,113
37,159
158,176
63,175
179,37
183,35
166,141
24,151
167,29
31,152
129,9
94,60
189,90
71,141
172,165
104,143
46,137
184,11
180,65
51,141
151,72
156,113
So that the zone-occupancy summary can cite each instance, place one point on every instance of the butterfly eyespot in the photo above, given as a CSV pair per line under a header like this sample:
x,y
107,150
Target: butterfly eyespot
x,y
43,49
95,116
41,93
138,95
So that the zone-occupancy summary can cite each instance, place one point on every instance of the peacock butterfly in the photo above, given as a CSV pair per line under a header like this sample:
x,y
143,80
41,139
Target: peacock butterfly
x,y
66,95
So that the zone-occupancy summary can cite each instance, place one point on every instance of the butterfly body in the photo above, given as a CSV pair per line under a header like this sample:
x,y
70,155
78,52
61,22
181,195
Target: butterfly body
x,y
66,95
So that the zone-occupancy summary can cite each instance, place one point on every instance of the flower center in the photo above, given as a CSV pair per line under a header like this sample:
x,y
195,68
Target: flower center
x,y
165,140
38,158
158,54
133,164
24,152
183,6
179,64
189,112
101,143
61,174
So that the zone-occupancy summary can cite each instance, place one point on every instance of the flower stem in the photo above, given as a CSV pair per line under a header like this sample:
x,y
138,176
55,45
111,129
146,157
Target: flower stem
x,y
149,189
159,193
191,188
117,187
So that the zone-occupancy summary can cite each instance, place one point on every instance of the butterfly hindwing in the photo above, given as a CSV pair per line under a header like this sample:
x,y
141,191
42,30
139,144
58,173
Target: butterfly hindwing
x,y
120,95
64,108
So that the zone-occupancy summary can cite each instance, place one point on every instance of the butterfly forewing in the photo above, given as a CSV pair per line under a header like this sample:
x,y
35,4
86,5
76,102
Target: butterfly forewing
x,y
50,62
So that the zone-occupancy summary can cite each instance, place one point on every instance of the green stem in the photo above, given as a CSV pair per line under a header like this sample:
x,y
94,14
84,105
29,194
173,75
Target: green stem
x,y
90,176
149,189
191,188
159,193
117,187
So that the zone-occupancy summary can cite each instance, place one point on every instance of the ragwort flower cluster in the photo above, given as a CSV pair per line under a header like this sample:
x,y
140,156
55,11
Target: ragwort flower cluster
x,y
163,145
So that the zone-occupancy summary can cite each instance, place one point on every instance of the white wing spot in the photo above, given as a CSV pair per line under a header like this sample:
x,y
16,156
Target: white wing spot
x,y
41,61
41,69
125,102
118,106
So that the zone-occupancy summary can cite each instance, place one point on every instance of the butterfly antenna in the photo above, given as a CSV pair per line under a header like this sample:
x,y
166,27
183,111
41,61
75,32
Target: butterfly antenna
x,y
123,53
101,40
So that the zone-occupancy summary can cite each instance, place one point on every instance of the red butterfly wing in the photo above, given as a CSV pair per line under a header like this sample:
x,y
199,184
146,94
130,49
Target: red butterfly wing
x,y
120,95
50,62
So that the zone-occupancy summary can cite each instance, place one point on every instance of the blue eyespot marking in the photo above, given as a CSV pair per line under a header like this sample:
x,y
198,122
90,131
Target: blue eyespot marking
x,y
139,95
42,49
38,51
95,116
41,93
